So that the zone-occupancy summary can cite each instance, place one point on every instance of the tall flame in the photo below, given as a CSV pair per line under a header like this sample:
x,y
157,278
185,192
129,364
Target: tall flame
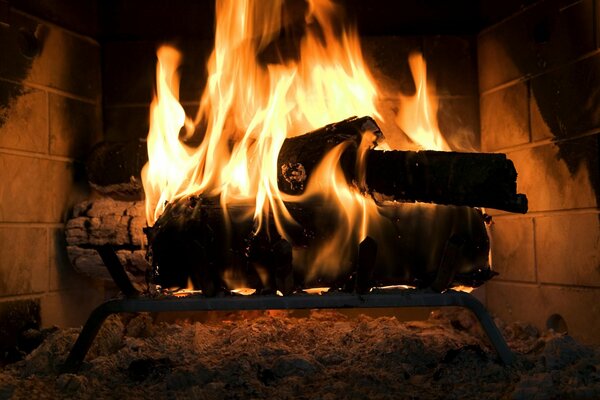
x,y
250,106
417,115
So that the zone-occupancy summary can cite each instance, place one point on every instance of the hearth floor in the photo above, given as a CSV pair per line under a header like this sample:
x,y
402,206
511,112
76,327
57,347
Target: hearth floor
x,y
326,355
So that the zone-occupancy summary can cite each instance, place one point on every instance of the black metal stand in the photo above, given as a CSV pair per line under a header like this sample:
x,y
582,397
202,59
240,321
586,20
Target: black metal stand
x,y
375,299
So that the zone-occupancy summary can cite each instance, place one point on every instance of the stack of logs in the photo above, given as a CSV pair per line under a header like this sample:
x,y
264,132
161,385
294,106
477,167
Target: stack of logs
x,y
116,216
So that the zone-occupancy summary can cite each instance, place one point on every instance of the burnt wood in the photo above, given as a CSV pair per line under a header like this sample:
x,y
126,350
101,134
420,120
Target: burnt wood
x,y
464,179
414,244
452,178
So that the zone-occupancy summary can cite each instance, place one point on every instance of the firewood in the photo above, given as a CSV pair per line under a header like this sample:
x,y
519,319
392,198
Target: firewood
x,y
190,242
451,178
104,221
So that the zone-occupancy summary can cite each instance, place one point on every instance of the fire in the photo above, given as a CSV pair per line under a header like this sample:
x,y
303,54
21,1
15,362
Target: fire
x,y
417,114
250,106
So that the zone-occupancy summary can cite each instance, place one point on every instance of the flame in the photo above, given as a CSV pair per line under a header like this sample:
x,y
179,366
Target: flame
x,y
417,115
251,105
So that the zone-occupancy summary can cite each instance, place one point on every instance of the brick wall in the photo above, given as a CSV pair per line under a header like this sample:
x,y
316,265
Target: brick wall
x,y
50,115
539,82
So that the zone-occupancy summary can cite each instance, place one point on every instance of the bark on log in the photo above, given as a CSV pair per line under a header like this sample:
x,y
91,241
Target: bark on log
x,y
104,221
191,242
452,178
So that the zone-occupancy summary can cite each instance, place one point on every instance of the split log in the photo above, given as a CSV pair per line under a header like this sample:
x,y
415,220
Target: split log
x,y
412,244
451,178
104,221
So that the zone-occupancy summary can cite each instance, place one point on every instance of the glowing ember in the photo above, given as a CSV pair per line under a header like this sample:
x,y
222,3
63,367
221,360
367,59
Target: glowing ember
x,y
249,107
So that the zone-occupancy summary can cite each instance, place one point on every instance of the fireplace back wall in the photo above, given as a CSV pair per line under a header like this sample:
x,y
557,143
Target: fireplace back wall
x,y
539,79
50,115
93,80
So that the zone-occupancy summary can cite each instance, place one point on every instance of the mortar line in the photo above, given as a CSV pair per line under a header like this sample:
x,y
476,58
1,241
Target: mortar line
x,y
49,89
535,258
50,225
23,296
531,76
507,282
80,36
529,125
514,15
48,124
549,213
40,156
542,142
48,263
128,105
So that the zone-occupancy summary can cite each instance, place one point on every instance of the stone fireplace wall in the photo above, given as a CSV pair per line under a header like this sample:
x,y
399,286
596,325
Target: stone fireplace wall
x,y
50,115
539,83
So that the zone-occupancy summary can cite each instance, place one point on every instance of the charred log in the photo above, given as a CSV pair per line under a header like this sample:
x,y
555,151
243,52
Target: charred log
x,y
452,178
191,242
468,179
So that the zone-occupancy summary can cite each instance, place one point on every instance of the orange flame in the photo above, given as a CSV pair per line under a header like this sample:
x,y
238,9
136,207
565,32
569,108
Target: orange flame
x,y
417,115
249,107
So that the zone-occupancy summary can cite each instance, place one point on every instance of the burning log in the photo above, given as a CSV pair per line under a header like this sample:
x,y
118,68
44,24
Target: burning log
x,y
451,178
416,244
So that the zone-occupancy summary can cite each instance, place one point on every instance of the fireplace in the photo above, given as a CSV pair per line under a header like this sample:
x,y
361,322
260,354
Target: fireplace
x,y
509,79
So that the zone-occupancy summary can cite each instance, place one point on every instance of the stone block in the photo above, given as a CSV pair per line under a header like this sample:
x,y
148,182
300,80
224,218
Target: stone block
x,y
71,308
568,249
458,120
505,117
143,19
536,304
387,59
14,64
16,316
513,249
549,34
76,15
126,123
35,190
566,101
451,64
492,12
52,57
23,260
75,126
23,118
128,72
558,176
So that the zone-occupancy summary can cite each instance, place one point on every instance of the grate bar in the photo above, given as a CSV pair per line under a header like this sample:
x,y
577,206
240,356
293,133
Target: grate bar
x,y
376,299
